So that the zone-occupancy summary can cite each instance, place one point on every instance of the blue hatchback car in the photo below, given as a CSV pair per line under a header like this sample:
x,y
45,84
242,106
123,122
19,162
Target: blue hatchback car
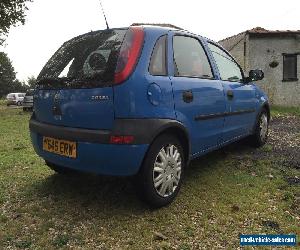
x,y
143,101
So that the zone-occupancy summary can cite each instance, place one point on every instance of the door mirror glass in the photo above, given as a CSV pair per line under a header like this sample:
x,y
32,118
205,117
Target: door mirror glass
x,y
256,75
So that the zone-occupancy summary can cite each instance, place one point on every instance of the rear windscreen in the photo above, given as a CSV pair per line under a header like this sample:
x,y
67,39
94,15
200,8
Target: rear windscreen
x,y
89,58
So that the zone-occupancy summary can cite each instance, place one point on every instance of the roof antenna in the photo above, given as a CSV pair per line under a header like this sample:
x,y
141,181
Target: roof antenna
x,y
103,14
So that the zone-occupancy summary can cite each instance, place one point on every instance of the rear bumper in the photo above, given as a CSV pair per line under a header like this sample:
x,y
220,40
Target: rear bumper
x,y
106,159
11,102
94,151
28,104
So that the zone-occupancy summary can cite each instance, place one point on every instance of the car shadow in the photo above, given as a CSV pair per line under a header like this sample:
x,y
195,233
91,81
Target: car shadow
x,y
106,194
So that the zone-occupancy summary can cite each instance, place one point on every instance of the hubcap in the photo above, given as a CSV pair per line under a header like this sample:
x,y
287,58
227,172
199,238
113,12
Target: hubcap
x,y
263,126
167,170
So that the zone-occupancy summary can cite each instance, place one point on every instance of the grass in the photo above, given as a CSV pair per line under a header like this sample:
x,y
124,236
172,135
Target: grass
x,y
225,193
280,110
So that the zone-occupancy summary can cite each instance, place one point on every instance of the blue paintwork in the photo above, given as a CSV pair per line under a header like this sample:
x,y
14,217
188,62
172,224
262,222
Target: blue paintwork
x,y
77,106
106,159
146,96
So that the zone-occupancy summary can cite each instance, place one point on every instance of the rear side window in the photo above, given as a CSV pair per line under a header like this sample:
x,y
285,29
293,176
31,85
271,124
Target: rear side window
x,y
190,59
228,68
157,65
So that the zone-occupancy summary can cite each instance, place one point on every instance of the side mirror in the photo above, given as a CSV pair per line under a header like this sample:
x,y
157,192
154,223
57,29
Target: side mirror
x,y
256,75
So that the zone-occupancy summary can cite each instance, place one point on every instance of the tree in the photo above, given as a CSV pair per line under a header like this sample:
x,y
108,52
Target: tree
x,y
31,82
12,12
8,81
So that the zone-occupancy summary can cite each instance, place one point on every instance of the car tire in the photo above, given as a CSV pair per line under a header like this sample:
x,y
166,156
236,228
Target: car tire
x,y
19,103
160,177
260,136
59,169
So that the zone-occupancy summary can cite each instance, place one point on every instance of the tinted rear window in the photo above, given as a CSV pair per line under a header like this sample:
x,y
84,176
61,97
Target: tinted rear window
x,y
90,57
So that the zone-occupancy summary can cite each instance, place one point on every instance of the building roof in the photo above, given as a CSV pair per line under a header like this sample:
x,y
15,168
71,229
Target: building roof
x,y
262,31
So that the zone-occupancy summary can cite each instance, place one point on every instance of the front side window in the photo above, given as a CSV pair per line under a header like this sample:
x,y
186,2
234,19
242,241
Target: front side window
x,y
190,59
157,65
290,67
228,68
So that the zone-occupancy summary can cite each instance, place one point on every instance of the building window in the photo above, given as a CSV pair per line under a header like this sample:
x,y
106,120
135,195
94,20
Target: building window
x,y
290,67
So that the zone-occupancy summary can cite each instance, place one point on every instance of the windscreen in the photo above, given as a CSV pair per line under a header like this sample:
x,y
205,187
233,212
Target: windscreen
x,y
85,61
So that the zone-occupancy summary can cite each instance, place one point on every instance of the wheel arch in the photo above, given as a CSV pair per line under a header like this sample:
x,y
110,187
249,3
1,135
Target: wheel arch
x,y
266,106
181,133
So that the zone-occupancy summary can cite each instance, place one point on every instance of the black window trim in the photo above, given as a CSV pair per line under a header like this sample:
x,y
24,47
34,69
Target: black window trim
x,y
218,46
208,59
166,55
293,79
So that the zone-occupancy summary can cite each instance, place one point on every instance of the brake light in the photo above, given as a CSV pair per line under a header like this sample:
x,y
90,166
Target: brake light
x,y
121,139
129,53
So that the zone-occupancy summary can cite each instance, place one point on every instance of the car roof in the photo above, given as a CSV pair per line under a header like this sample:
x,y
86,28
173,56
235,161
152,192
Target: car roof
x,y
152,27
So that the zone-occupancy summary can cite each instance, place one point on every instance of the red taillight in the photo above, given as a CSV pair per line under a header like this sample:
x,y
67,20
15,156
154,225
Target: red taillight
x,y
129,53
121,139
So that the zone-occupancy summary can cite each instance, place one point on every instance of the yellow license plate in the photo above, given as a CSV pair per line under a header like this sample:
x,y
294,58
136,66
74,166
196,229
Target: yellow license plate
x,y
60,147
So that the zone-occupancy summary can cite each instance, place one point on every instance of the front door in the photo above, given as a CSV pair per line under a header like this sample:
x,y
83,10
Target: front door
x,y
240,98
199,97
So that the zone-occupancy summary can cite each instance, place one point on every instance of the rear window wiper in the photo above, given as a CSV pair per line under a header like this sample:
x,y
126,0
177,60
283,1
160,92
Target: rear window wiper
x,y
53,80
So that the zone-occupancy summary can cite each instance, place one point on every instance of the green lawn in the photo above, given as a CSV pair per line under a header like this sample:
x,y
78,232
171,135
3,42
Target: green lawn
x,y
237,190
277,110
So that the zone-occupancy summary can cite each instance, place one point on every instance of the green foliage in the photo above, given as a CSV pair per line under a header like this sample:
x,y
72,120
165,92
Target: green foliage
x,y
31,82
12,12
8,81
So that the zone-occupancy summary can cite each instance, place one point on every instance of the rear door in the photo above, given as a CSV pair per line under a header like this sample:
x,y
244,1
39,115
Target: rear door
x,y
240,98
75,86
199,98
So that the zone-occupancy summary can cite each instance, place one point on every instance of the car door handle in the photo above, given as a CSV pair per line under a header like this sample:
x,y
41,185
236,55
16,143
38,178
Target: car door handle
x,y
230,94
187,96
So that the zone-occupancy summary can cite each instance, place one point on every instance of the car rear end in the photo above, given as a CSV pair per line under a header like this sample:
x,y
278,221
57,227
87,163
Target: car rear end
x,y
28,100
11,99
74,123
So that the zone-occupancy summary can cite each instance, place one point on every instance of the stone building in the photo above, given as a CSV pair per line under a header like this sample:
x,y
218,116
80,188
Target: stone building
x,y
277,53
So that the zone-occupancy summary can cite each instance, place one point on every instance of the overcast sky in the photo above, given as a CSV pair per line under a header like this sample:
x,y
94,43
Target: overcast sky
x,y
51,22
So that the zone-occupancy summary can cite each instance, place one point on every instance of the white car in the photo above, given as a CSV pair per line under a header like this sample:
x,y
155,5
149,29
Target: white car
x,y
15,98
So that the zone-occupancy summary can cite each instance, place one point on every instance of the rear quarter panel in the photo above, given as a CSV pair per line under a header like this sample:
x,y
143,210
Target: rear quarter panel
x,y
131,98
